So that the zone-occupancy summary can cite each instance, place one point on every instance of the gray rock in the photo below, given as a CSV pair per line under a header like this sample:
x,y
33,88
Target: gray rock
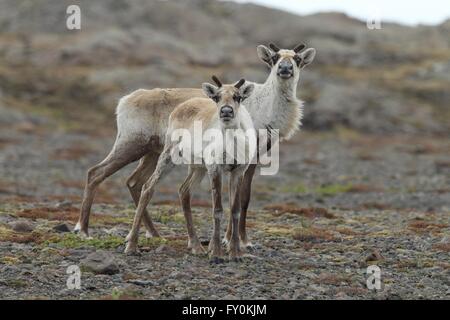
x,y
22,226
100,262
143,283
63,227
63,204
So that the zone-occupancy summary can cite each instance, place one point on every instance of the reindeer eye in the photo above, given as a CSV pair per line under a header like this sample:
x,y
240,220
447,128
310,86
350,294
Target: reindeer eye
x,y
237,98
298,60
216,98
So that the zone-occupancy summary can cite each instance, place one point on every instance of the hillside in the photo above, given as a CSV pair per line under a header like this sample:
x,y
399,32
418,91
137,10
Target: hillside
x,y
391,80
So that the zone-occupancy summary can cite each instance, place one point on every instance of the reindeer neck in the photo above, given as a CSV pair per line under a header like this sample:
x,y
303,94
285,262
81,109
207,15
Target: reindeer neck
x,y
275,104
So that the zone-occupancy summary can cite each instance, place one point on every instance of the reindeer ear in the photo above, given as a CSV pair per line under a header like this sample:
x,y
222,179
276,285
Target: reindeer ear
x,y
307,57
246,90
209,90
265,54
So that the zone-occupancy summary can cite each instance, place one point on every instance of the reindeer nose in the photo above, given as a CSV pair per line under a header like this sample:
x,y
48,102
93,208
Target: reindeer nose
x,y
226,112
286,67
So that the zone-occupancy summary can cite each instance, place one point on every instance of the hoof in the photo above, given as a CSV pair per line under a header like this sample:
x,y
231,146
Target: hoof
x,y
248,246
196,249
237,259
77,228
84,235
225,242
149,235
131,250
216,260
152,234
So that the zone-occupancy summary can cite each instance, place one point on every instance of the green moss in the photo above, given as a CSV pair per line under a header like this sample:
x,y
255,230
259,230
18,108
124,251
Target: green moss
x,y
298,188
333,189
167,217
74,241
151,242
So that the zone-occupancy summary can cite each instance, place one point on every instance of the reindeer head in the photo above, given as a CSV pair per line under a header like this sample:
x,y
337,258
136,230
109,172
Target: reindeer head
x,y
284,62
228,98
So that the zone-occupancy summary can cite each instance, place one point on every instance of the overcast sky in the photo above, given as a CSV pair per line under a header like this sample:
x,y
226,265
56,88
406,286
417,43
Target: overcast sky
x,y
410,12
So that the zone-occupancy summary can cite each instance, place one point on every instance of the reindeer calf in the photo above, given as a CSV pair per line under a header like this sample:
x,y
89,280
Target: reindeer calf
x,y
222,111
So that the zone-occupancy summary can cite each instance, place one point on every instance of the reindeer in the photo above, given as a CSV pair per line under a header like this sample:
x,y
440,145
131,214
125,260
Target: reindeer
x,y
142,120
221,111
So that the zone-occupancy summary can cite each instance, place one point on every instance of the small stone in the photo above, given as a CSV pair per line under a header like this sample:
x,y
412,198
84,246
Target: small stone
x,y
63,227
63,204
22,226
143,283
375,255
100,262
161,248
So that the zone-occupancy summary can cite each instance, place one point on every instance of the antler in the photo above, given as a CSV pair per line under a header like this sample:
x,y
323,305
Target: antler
x,y
274,47
299,48
217,81
240,83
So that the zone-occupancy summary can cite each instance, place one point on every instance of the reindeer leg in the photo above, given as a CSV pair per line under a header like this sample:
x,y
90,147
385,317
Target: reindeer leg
x,y
235,252
123,153
246,190
135,182
162,169
195,176
227,237
215,247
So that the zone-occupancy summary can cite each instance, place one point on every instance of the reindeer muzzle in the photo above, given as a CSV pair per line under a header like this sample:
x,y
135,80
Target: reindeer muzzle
x,y
285,69
226,113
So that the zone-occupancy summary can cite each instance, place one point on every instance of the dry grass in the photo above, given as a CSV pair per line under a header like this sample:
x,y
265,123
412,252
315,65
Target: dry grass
x,y
421,226
445,247
69,214
8,235
6,188
76,184
194,203
52,214
375,205
347,231
312,212
312,235
71,153
6,141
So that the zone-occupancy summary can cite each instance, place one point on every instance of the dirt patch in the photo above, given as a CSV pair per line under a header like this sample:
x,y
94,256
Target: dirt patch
x,y
445,247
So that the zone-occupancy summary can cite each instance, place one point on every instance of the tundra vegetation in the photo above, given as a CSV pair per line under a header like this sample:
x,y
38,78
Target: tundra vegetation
x,y
365,182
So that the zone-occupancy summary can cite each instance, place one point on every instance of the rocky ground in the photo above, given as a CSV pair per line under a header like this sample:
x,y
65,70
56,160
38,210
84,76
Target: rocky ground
x,y
341,201
366,183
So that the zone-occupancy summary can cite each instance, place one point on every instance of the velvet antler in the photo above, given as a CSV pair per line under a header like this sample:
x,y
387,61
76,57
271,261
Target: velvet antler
x,y
240,83
299,48
274,47
217,81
